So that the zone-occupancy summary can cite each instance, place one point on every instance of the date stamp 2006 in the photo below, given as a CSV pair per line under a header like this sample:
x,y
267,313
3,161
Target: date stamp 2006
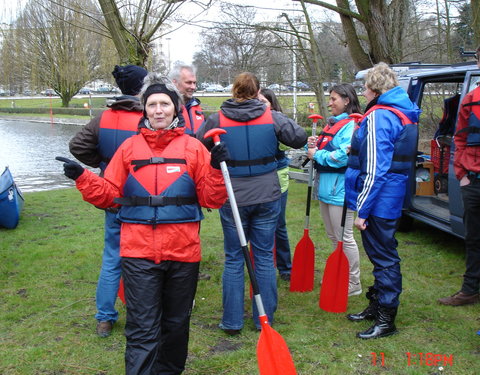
x,y
417,359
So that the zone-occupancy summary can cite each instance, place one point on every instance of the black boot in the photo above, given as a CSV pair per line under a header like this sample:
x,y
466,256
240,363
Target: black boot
x,y
370,313
384,324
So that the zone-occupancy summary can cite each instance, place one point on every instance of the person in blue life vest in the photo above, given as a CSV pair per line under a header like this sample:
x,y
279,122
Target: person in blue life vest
x,y
467,170
160,178
185,78
283,256
94,146
382,151
253,134
329,152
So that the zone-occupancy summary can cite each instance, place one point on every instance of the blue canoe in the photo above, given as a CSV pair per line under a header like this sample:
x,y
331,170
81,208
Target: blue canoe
x,y
11,201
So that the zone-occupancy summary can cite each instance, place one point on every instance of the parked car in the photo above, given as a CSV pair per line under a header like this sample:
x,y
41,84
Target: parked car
x,y
84,91
300,86
433,194
277,87
105,90
48,92
215,88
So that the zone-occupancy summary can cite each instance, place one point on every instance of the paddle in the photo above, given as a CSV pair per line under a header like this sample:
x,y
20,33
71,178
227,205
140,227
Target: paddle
x,y
334,288
303,264
273,355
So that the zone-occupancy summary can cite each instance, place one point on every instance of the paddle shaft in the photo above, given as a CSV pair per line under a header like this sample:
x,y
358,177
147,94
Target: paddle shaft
x,y
310,181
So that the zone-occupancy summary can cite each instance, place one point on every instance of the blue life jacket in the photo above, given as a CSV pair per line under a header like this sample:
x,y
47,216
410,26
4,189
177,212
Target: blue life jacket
x,y
405,147
115,127
252,145
159,190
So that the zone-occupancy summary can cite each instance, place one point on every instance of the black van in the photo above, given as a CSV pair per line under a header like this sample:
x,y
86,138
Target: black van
x,y
433,195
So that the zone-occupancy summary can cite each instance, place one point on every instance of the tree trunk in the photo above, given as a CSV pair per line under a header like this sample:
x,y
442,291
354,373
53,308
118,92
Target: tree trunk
x,y
359,56
128,47
475,7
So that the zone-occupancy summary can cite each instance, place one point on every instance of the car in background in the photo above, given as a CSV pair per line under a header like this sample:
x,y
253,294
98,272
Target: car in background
x,y
48,92
84,91
229,87
107,90
300,86
277,87
215,88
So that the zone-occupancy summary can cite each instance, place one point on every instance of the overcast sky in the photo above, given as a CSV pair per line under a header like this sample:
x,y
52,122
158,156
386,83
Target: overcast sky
x,y
185,41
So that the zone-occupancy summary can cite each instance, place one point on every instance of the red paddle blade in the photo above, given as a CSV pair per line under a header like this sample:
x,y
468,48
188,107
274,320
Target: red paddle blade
x,y
334,289
303,265
272,352
121,291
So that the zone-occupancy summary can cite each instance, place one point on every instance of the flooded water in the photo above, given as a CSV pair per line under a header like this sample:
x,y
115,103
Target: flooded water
x,y
29,149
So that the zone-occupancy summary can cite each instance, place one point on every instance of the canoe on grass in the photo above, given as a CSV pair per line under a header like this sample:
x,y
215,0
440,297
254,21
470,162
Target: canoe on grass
x,y
11,201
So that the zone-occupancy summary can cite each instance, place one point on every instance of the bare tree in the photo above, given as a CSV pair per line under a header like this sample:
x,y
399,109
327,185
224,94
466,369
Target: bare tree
x,y
51,50
374,29
133,26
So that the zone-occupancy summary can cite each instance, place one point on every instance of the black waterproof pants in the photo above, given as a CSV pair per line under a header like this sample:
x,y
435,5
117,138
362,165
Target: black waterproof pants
x,y
471,220
159,301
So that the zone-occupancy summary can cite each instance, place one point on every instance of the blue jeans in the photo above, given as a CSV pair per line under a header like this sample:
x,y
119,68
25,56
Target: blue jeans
x,y
259,223
109,279
282,245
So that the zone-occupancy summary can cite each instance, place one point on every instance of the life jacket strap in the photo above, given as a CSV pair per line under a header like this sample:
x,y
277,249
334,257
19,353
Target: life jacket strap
x,y
156,160
246,163
155,201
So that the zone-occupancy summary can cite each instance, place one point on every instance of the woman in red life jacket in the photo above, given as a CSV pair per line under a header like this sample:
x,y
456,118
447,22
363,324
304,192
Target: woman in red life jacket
x,y
160,178
329,153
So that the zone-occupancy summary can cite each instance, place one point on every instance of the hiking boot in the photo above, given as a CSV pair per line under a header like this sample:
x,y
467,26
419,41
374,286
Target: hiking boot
x,y
354,289
104,329
459,299
285,276
384,324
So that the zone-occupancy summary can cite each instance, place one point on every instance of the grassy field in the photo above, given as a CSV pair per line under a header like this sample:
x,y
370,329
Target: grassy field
x,y
50,263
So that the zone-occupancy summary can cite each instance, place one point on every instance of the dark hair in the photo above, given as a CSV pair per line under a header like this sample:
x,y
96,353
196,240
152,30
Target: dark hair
x,y
347,91
272,98
245,87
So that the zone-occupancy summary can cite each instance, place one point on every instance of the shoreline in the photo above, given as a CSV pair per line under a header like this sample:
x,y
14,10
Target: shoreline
x,y
47,120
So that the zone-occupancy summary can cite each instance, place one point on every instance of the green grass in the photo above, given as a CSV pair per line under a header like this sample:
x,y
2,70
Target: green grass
x,y
50,263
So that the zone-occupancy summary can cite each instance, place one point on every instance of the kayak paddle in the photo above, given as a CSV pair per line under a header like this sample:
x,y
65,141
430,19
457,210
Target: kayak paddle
x,y
303,264
334,288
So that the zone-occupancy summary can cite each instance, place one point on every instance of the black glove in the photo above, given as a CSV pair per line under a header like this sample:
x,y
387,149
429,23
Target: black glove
x,y
71,168
219,153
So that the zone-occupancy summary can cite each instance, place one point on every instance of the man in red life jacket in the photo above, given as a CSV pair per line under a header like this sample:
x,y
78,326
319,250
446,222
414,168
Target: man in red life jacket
x,y
184,77
467,170
94,146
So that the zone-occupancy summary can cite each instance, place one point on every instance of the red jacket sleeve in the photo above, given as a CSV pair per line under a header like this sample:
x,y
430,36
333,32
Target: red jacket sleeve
x,y
210,186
